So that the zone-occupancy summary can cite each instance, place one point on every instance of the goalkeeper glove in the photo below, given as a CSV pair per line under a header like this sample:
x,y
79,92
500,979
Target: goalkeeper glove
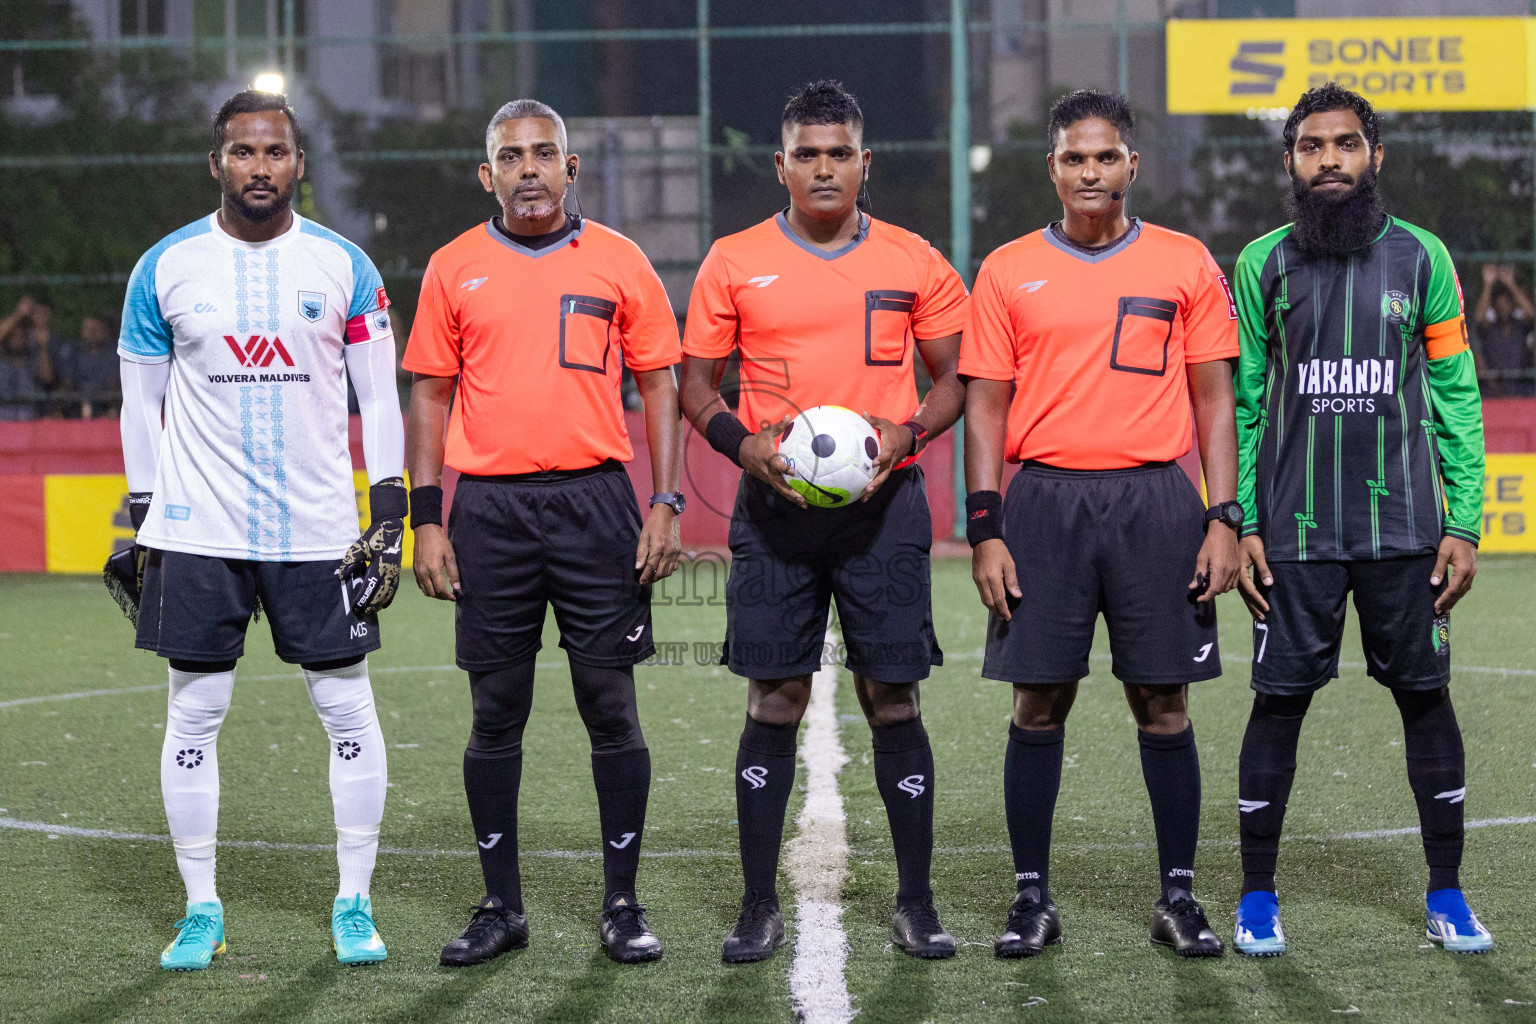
x,y
124,572
372,563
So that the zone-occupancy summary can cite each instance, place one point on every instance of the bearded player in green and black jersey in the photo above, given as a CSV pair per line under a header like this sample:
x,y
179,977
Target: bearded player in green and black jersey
x,y
1361,468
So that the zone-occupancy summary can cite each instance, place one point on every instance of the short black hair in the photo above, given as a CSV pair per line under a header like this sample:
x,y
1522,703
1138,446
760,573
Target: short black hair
x,y
252,101
1085,103
1332,96
823,102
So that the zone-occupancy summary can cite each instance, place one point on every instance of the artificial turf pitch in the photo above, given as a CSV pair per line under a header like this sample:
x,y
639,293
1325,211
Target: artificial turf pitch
x,y
83,919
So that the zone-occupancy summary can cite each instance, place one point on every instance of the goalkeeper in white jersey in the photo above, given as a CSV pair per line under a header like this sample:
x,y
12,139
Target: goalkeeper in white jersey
x,y
245,326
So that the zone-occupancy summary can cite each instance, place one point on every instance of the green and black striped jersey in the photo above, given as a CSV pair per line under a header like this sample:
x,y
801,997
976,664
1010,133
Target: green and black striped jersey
x,y
1360,431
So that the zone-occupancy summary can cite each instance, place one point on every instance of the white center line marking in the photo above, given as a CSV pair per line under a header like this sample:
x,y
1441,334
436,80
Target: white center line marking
x,y
817,863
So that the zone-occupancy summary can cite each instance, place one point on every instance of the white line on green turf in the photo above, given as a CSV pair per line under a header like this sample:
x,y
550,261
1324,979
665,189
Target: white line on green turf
x,y
817,863
17,825
1487,670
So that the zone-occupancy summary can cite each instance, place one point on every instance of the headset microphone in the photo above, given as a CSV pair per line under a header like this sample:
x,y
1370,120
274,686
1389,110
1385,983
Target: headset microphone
x,y
1119,195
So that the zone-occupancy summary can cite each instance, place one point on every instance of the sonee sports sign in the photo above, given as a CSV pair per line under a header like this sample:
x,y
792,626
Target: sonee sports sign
x,y
1256,66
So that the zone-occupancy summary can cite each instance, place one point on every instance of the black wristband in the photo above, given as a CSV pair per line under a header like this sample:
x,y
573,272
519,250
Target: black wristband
x,y
919,437
426,507
983,516
138,507
725,432
387,499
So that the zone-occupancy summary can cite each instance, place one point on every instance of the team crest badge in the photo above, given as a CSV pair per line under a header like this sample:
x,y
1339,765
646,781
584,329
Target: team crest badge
x,y
381,321
1395,307
312,306
1442,636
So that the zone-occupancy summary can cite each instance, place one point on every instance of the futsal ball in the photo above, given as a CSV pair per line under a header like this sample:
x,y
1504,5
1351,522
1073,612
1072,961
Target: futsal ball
x,y
831,453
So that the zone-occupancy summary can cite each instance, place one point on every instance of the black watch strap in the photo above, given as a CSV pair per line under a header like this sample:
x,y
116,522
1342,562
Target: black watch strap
x,y
1228,512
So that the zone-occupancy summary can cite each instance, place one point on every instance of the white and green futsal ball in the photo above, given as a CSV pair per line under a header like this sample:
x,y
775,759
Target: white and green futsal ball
x,y
831,452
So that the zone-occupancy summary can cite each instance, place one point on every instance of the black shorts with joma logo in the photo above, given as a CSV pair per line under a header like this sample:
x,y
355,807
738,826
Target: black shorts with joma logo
x,y
1118,541
565,538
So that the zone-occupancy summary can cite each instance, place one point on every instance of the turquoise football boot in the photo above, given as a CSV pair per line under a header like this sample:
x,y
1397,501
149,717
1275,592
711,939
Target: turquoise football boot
x,y
199,938
1451,923
1258,931
353,933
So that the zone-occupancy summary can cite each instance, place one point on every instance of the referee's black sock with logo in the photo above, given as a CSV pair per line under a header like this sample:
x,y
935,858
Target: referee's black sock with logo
x,y
623,784
493,772
1437,771
491,785
765,776
904,776
1171,767
1265,770
1031,780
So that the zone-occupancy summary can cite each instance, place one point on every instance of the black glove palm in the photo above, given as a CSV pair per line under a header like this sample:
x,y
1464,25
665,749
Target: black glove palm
x,y
374,558
124,572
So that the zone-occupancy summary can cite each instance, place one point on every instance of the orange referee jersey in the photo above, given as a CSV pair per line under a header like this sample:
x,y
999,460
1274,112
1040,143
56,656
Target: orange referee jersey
x,y
1097,344
822,328
538,340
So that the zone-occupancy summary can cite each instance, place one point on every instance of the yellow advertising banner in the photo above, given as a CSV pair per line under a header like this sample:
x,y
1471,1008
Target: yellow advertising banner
x,y
1509,504
87,519
1259,66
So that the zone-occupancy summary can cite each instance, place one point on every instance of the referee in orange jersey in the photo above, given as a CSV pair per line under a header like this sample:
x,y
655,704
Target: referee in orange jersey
x,y
827,306
533,317
1085,344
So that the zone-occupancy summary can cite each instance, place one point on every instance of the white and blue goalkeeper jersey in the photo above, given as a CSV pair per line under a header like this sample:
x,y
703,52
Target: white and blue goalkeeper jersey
x,y
254,462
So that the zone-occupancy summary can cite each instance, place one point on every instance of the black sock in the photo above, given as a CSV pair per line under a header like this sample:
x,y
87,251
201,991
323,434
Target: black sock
x,y
1031,780
1265,770
491,785
1171,767
1437,771
623,783
765,776
904,775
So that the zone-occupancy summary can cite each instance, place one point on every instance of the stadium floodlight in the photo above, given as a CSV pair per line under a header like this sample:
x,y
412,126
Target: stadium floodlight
x,y
269,81
981,158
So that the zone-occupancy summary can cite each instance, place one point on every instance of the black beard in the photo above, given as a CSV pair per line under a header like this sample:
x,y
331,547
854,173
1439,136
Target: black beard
x,y
235,197
1330,225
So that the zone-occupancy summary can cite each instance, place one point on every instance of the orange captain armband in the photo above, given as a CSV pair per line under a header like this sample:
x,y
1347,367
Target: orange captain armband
x,y
1446,338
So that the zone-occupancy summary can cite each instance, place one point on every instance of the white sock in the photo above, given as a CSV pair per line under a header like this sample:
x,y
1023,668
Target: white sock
x,y
343,699
195,861
189,772
356,849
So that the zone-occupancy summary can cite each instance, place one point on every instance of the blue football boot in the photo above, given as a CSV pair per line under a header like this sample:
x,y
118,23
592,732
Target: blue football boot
x,y
1451,923
199,938
1258,931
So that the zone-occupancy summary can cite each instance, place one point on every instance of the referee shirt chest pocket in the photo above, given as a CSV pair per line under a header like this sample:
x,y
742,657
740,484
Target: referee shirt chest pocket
x,y
586,324
1143,329
887,326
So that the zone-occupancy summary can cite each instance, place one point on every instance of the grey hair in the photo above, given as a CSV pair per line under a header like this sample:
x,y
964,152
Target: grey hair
x,y
516,110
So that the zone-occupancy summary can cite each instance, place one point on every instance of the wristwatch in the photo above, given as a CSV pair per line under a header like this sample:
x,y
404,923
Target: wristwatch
x,y
1228,512
672,499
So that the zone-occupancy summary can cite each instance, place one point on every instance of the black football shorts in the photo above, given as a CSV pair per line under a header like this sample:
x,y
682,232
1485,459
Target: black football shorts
x,y
197,607
565,538
1407,646
1121,542
789,563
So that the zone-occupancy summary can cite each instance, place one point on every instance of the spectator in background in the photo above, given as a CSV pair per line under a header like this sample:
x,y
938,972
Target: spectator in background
x,y
88,371
1502,340
26,364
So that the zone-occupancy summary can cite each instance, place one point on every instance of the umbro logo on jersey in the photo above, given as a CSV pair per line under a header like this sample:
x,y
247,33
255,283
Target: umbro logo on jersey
x,y
495,838
756,776
1031,286
623,841
473,283
1249,806
1454,796
913,786
1205,652
258,351
764,281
